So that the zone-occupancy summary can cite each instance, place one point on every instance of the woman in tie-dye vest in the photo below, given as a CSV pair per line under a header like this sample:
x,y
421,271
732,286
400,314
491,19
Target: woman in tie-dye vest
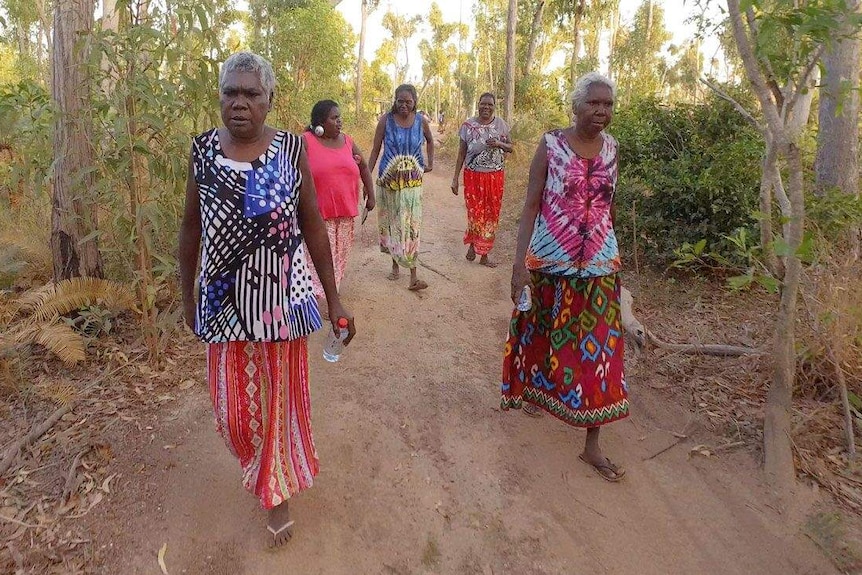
x,y
565,355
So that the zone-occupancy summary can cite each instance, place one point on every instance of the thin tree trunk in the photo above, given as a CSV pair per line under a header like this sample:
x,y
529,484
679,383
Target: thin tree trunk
x,y
837,161
360,62
778,455
577,19
511,25
535,29
615,26
73,213
768,169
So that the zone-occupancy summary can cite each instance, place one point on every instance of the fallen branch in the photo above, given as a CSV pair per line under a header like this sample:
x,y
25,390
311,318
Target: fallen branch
x,y
632,326
34,434
716,349
42,428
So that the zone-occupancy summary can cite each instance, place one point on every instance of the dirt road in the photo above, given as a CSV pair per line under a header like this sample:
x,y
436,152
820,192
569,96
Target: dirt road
x,y
421,472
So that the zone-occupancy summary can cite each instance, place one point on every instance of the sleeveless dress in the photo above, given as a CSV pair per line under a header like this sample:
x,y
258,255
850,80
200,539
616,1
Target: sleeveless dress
x,y
255,310
565,355
399,191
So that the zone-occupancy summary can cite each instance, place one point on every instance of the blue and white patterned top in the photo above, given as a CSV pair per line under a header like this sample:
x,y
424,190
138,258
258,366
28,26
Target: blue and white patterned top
x,y
398,141
255,283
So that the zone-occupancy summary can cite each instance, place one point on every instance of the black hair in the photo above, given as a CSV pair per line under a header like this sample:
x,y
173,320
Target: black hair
x,y
490,95
407,88
320,113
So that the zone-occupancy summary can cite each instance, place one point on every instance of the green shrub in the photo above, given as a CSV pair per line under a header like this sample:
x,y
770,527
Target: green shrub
x,y
689,173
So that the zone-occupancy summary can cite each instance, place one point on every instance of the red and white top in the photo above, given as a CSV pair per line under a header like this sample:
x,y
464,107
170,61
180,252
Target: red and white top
x,y
336,177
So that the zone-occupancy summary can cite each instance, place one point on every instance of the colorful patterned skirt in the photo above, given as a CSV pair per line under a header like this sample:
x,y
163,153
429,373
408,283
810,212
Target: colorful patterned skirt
x,y
483,194
262,409
341,234
399,219
565,355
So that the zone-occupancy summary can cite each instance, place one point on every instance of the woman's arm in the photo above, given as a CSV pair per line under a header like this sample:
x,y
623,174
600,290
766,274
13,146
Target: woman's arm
x,y
429,145
365,175
532,205
378,142
190,245
459,163
314,232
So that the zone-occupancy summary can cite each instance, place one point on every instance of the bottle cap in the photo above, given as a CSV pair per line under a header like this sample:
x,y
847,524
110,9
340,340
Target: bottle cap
x,y
342,322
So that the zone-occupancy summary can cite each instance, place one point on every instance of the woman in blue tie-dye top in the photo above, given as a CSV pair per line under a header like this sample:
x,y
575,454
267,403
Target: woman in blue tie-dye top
x,y
401,133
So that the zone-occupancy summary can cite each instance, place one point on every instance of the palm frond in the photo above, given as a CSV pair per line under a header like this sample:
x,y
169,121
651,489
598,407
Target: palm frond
x,y
77,293
35,298
61,340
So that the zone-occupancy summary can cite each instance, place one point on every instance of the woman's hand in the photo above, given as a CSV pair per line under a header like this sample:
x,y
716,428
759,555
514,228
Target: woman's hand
x,y
520,278
336,311
454,185
370,201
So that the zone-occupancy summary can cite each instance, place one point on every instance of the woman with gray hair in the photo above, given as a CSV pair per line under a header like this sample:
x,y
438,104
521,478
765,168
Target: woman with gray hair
x,y
250,203
564,353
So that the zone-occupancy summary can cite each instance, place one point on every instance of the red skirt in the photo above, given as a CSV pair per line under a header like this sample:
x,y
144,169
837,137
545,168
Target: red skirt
x,y
565,355
483,194
261,403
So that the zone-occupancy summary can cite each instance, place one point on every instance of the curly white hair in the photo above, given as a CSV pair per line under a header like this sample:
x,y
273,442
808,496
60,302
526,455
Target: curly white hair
x,y
249,62
583,85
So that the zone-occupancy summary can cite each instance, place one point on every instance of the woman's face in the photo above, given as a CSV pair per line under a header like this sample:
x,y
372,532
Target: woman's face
x,y
332,124
486,108
597,110
404,102
244,104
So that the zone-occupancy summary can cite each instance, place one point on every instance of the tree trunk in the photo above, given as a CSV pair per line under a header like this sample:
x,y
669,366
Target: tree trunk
x,y
73,214
768,170
535,29
778,455
577,18
360,62
615,26
511,25
837,161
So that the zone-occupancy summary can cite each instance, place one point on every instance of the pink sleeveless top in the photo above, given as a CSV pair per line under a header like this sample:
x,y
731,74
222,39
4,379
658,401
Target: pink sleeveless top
x,y
336,177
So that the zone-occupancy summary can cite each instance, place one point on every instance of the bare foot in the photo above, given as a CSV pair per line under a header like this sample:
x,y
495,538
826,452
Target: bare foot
x,y
279,525
486,262
471,253
418,285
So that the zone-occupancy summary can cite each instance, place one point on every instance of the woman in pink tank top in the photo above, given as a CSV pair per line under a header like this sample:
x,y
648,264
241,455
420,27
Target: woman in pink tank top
x,y
337,165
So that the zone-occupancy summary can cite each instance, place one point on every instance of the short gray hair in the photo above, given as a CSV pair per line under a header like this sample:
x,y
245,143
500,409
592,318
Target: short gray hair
x,y
249,62
583,85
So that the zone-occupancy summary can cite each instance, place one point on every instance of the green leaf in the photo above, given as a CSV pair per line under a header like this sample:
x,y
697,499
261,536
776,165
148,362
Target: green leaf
x,y
855,400
739,282
805,251
699,247
769,283
781,248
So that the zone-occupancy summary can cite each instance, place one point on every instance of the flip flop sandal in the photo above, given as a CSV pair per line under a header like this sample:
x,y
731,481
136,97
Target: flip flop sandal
x,y
607,471
471,255
531,410
419,285
276,533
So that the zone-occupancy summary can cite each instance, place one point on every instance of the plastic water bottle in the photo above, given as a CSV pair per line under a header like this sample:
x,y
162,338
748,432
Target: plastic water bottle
x,y
335,342
525,302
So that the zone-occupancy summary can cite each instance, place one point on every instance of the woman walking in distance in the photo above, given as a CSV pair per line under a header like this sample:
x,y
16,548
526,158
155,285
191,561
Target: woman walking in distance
x,y
483,141
336,164
400,134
